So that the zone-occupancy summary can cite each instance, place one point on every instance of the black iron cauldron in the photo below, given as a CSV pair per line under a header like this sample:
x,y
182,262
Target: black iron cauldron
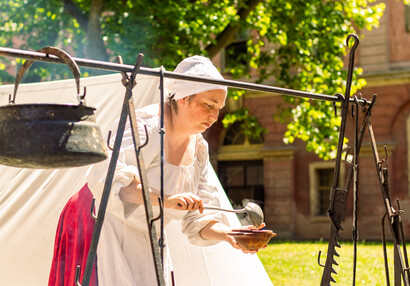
x,y
47,136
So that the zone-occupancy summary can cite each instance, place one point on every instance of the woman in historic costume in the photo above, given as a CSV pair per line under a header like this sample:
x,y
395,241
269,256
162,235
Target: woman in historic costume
x,y
124,253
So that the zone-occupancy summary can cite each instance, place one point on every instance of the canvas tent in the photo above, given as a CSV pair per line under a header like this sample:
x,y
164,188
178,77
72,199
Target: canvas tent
x,y
31,199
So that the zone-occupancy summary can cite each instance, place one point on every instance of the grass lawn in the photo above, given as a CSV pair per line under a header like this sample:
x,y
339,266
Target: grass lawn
x,y
295,263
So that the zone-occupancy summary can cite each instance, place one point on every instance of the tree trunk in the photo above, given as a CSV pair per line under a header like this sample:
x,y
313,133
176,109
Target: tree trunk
x,y
227,35
95,48
76,13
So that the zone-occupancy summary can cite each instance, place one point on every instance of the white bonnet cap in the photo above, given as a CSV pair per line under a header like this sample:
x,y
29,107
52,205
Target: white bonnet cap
x,y
197,66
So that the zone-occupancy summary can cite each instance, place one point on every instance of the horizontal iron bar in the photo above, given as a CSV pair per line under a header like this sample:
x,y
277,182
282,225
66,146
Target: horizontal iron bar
x,y
36,56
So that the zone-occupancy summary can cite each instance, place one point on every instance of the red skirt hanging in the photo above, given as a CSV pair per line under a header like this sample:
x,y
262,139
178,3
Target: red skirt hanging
x,y
72,242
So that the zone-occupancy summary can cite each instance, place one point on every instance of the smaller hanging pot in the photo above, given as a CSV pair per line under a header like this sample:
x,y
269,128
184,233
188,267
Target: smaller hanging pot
x,y
45,136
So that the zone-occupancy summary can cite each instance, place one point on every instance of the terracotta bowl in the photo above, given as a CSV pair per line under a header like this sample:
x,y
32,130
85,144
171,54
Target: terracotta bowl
x,y
251,239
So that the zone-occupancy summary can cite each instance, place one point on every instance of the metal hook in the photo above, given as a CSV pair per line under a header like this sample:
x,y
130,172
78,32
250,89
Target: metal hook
x,y
398,205
146,140
365,105
356,101
399,211
356,42
12,100
387,153
160,210
81,97
383,161
108,141
350,67
347,154
340,96
318,259
161,243
373,101
92,210
77,276
352,112
335,108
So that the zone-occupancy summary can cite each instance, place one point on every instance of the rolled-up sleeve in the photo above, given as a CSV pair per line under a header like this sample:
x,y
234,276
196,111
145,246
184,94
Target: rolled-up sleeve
x,y
126,168
193,222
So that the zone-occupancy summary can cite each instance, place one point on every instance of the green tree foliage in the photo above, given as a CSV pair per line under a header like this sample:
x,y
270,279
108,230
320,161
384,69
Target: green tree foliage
x,y
249,123
295,44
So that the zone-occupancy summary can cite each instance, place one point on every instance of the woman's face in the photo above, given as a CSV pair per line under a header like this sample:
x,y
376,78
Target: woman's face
x,y
201,111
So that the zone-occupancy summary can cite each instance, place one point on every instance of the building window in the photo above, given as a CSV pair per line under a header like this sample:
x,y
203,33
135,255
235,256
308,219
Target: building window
x,y
235,135
235,53
324,178
320,180
242,180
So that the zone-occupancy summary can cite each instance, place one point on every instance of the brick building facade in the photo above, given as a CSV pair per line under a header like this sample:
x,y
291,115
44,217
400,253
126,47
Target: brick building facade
x,y
295,183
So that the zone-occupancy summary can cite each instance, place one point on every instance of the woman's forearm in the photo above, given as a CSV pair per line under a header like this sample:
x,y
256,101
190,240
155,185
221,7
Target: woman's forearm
x,y
133,194
219,231
216,230
185,201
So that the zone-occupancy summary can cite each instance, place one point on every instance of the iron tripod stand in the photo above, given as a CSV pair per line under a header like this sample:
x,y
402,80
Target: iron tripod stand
x,y
128,110
401,263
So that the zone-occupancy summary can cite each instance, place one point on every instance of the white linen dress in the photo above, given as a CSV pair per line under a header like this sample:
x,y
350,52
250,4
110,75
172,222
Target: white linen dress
x,y
124,254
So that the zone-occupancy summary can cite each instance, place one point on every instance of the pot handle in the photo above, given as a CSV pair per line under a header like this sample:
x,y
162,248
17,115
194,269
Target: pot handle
x,y
65,57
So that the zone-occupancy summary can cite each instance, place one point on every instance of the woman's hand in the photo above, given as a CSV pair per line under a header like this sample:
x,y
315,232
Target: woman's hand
x,y
246,250
184,201
231,240
219,231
